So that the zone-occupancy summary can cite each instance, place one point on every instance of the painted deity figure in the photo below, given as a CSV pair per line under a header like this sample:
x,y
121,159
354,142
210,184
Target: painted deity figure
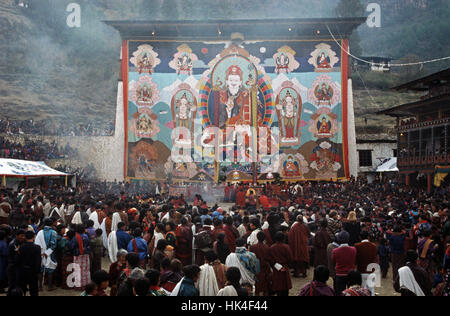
x,y
323,62
233,98
282,61
289,112
145,64
324,127
291,168
185,63
144,167
145,94
144,125
325,160
324,93
185,111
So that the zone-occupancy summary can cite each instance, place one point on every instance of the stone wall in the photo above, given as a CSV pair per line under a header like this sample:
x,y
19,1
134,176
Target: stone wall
x,y
380,151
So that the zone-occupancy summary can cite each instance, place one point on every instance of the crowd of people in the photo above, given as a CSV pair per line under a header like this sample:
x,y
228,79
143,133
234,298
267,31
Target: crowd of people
x,y
52,128
125,242
34,150
88,173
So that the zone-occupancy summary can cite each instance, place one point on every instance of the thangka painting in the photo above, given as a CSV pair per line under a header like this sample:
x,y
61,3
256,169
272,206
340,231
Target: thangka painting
x,y
184,97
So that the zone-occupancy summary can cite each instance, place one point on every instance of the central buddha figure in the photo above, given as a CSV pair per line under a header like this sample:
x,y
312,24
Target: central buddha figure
x,y
233,99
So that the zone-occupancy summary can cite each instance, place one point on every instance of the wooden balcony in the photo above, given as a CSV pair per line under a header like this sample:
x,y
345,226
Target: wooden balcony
x,y
423,161
435,123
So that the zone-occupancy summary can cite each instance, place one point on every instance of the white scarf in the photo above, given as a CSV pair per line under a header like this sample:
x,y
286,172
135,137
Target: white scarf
x,y
207,283
58,212
113,249
47,209
94,218
176,290
228,291
70,209
158,237
76,220
246,276
241,230
47,263
253,239
104,235
407,281
115,222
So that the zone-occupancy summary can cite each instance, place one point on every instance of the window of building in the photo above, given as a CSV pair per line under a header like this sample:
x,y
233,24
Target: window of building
x,y
365,158
395,153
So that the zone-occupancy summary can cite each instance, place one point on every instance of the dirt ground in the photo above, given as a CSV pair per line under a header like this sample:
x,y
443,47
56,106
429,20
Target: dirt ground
x,y
386,288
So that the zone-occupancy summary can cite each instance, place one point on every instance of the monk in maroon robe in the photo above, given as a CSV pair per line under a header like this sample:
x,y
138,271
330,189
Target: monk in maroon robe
x,y
320,242
184,242
281,260
264,278
231,233
240,199
269,240
298,242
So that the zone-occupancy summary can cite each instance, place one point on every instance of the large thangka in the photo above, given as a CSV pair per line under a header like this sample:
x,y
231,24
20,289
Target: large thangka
x,y
176,90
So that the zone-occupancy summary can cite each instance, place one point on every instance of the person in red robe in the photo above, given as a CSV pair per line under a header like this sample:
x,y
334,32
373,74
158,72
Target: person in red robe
x,y
218,227
320,242
274,201
273,220
240,199
269,240
264,201
231,233
281,259
264,277
184,242
197,201
298,242
227,191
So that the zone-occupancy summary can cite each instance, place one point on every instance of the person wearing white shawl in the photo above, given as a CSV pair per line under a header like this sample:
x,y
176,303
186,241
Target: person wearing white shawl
x,y
112,246
255,228
76,220
116,219
408,282
47,240
47,209
207,283
228,291
104,234
70,209
246,261
58,213
63,211
95,218
233,288
413,280
176,290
